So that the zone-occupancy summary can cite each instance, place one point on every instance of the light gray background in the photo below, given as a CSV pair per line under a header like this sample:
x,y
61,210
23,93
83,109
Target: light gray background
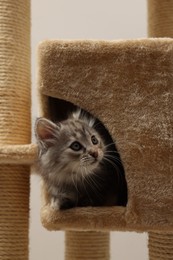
x,y
79,19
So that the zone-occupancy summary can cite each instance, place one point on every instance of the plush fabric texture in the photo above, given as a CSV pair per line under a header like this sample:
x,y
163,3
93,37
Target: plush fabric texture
x,y
129,86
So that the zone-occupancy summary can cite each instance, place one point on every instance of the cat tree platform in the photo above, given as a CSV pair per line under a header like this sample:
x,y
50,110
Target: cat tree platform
x,y
128,85
18,154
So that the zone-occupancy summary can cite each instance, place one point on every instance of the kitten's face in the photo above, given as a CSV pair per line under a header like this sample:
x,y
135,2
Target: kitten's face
x,y
81,147
72,147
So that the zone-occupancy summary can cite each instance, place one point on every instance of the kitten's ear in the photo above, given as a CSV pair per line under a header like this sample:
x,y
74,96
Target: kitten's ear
x,y
46,131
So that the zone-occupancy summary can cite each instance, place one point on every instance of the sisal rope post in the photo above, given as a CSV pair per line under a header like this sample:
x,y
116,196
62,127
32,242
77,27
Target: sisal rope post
x,y
160,246
160,18
15,126
87,245
160,24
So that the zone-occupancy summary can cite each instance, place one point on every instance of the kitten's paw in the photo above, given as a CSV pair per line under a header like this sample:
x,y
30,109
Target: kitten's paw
x,y
55,203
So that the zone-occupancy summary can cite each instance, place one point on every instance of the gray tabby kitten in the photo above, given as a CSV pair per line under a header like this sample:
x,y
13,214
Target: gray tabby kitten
x,y
79,166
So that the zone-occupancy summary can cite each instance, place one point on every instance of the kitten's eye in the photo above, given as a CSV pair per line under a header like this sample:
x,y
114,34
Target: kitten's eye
x,y
94,140
76,146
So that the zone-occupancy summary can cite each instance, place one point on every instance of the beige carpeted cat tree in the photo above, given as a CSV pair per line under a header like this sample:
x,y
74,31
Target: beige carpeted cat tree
x,y
129,86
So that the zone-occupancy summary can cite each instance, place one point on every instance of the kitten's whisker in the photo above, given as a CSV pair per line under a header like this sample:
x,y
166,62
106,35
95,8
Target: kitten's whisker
x,y
93,181
96,124
95,186
110,144
116,168
73,176
111,162
97,175
110,151
89,179
76,175
85,180
86,161
113,157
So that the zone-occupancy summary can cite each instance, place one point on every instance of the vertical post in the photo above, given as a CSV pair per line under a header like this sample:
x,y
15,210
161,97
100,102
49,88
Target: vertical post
x,y
160,246
15,126
160,24
87,245
160,18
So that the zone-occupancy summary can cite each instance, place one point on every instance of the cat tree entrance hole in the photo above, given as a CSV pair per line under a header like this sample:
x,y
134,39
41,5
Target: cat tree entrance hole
x,y
59,109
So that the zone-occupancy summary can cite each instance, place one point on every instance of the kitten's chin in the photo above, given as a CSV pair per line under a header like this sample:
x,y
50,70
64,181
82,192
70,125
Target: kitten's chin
x,y
91,167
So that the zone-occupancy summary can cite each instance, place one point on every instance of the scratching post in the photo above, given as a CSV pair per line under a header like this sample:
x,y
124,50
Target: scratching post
x,y
160,24
160,246
160,18
15,127
87,245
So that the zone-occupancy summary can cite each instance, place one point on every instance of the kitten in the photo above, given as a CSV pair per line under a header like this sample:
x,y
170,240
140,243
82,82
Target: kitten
x,y
79,162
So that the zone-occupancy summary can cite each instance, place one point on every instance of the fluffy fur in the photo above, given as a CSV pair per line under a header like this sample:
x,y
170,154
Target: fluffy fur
x,y
79,166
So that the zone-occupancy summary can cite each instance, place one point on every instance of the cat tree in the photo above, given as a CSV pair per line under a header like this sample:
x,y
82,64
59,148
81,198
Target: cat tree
x,y
128,85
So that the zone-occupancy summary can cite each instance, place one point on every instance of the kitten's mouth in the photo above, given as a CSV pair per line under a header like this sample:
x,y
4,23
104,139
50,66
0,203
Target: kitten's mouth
x,y
91,163
94,161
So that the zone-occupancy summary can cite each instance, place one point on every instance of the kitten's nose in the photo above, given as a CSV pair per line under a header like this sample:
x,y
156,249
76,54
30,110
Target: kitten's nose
x,y
94,154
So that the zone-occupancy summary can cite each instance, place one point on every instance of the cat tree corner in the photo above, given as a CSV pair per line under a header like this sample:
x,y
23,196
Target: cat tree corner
x,y
114,218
